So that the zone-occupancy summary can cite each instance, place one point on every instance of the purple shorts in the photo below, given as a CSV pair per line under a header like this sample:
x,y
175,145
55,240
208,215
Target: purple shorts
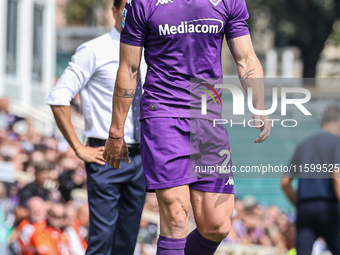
x,y
172,157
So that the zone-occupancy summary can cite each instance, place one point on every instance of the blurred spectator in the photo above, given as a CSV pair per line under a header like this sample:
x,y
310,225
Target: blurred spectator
x,y
35,188
78,231
70,180
52,240
7,205
37,216
51,149
7,119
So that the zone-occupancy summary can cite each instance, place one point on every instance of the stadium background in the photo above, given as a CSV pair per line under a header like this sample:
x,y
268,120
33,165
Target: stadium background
x,y
38,38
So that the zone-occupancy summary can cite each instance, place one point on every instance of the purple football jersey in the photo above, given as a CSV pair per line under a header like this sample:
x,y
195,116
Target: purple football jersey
x,y
182,40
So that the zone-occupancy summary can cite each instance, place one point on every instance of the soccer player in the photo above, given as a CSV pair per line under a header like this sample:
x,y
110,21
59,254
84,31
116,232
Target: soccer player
x,y
116,198
182,40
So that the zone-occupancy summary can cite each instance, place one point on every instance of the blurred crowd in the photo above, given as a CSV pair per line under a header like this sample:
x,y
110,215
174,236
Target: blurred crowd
x,y
259,224
44,210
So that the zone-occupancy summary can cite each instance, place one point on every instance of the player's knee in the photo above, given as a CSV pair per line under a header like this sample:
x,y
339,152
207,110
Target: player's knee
x,y
176,216
177,224
216,232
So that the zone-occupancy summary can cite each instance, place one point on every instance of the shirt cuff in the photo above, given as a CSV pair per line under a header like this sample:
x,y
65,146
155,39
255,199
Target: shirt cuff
x,y
57,101
131,42
237,34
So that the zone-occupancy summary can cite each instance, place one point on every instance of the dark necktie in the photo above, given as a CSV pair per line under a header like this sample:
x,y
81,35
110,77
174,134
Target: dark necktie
x,y
136,110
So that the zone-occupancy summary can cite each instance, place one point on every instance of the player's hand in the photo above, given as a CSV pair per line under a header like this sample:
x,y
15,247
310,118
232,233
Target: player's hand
x,y
91,154
265,128
115,150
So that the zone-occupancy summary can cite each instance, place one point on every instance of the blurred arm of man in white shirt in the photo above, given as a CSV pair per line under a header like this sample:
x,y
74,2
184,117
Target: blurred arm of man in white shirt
x,y
74,78
92,72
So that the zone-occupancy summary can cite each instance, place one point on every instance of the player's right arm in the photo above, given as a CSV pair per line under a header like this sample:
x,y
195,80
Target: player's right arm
x,y
74,78
124,92
134,32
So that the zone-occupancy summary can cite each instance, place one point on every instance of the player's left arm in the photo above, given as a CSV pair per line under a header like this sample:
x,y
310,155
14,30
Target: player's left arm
x,y
251,76
124,92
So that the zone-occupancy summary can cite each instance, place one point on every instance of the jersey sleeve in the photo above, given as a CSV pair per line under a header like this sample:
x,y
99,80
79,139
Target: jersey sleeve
x,y
237,19
134,28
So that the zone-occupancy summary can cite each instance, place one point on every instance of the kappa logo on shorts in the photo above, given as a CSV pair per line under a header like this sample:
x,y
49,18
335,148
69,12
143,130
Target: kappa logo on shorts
x,y
215,2
165,2
152,107
230,181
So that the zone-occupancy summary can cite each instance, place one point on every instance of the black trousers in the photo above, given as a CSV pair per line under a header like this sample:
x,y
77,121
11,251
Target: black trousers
x,y
318,218
116,199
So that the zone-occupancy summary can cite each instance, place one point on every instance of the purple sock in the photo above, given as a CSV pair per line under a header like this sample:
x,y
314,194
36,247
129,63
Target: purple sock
x,y
198,245
170,246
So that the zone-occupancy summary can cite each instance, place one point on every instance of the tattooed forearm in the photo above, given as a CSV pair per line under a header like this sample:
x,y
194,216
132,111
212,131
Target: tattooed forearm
x,y
125,93
230,43
246,76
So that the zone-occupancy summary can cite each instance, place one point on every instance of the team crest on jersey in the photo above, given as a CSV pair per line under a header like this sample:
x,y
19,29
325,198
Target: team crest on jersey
x,y
165,2
215,2
152,107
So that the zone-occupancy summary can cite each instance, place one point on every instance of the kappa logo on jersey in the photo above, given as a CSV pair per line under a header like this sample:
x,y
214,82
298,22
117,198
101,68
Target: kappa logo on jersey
x,y
214,26
164,2
129,2
215,2
230,181
124,17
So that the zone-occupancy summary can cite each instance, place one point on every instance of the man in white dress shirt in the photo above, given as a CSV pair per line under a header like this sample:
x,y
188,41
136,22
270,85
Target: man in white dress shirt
x,y
116,197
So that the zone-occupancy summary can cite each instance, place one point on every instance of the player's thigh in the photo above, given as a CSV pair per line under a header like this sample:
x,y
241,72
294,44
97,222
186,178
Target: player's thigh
x,y
173,208
212,211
